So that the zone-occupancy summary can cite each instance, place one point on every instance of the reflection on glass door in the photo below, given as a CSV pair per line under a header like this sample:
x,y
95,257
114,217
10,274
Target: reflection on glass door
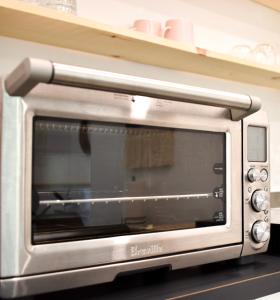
x,y
99,179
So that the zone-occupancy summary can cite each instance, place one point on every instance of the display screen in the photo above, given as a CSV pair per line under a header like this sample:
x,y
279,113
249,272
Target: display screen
x,y
257,145
102,179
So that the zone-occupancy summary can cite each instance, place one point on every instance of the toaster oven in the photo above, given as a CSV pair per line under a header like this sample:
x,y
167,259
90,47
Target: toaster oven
x,y
105,173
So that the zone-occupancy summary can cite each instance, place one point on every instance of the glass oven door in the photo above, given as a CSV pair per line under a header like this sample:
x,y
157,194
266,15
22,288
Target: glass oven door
x,y
93,179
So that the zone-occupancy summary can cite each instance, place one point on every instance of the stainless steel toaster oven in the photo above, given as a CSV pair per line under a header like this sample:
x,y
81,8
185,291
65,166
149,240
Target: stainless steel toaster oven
x,y
105,173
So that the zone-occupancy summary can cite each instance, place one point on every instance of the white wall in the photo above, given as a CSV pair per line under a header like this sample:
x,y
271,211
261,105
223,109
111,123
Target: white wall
x,y
219,25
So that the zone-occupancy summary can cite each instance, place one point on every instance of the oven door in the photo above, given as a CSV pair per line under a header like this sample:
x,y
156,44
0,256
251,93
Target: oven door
x,y
108,177
98,177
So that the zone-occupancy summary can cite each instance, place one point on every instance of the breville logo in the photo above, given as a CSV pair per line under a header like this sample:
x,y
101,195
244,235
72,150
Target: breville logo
x,y
150,250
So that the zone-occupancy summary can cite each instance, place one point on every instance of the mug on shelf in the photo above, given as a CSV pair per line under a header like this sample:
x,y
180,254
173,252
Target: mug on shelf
x,y
241,51
66,6
264,53
33,2
179,30
150,27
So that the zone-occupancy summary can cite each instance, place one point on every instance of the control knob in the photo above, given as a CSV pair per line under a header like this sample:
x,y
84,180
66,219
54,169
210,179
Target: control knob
x,y
260,231
263,175
260,200
254,175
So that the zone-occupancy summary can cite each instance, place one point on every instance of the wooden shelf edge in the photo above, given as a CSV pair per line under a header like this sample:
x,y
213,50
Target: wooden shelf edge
x,y
46,26
272,4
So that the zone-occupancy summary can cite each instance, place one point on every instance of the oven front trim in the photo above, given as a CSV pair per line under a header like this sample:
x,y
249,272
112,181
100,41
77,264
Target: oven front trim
x,y
36,284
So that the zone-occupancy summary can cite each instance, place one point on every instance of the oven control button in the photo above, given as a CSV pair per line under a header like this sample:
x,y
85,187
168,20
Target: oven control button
x,y
253,175
260,232
260,200
264,175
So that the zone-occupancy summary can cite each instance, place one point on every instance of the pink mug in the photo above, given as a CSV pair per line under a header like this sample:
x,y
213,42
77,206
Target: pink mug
x,y
148,26
179,30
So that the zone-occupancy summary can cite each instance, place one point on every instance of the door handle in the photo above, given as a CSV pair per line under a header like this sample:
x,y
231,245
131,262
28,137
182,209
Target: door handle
x,y
33,71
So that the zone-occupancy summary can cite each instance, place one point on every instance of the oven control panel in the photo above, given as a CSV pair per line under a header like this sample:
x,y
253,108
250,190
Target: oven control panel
x,y
260,200
256,183
258,204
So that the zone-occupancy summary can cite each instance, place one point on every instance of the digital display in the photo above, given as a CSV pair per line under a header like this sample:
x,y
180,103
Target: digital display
x,y
257,146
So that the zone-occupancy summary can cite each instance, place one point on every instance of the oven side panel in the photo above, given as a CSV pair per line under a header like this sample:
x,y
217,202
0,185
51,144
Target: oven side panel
x,y
1,125
12,167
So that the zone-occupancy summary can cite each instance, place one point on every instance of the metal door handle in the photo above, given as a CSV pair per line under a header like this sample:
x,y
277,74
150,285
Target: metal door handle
x,y
33,71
